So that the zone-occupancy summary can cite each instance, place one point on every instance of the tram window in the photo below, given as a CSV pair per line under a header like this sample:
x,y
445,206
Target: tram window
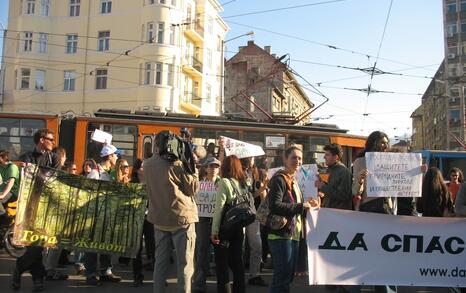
x,y
256,138
147,146
124,138
16,135
313,148
208,138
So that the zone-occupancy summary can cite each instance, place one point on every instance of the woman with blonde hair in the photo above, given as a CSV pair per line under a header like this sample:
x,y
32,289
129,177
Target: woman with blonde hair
x,y
122,174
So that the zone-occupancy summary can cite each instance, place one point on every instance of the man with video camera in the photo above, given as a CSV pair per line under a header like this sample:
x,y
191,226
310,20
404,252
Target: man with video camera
x,y
171,186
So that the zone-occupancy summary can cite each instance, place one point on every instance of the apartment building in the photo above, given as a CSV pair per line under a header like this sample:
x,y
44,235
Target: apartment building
x,y
259,86
83,55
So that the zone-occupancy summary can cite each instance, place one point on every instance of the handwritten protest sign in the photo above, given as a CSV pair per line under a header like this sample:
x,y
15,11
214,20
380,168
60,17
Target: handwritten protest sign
x,y
394,174
306,176
56,209
241,149
205,199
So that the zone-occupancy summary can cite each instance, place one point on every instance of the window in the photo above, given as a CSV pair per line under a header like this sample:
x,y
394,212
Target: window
x,y
454,115
101,79
162,1
172,34
16,135
160,32
455,92
170,74
30,7
209,58
451,8
158,73
463,26
150,32
69,81
452,28
174,3
210,25
44,7
42,43
27,39
453,49
71,44
148,73
151,2
25,78
209,93
452,70
75,7
105,6
463,5
40,80
104,41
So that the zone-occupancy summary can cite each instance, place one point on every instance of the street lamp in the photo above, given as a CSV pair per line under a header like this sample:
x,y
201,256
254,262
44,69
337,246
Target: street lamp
x,y
251,33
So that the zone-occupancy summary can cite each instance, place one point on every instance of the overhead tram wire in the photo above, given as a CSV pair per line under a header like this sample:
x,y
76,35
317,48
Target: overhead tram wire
x,y
361,69
369,87
329,46
281,9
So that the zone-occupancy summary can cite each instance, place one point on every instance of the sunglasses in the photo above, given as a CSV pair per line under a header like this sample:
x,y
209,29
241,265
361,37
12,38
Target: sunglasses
x,y
125,166
49,139
214,166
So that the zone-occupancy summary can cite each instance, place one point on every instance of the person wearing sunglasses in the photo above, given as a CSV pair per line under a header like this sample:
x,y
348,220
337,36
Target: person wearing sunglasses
x,y
121,173
42,155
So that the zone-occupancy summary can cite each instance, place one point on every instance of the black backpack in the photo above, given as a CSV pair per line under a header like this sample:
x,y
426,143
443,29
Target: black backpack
x,y
173,148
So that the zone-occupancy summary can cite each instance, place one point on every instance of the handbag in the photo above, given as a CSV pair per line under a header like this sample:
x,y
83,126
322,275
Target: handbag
x,y
265,217
238,213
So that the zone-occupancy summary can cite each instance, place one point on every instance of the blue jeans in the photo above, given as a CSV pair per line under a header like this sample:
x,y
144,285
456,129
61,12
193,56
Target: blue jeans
x,y
285,258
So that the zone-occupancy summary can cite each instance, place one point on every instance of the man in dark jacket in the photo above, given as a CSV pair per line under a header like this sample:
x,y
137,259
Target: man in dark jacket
x,y
42,155
337,192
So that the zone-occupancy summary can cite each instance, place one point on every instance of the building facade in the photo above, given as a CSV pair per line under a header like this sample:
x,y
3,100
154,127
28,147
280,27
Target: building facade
x,y
455,70
432,121
259,86
83,55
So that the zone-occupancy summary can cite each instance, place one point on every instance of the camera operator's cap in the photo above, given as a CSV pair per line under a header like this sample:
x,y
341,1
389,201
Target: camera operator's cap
x,y
212,161
185,130
109,149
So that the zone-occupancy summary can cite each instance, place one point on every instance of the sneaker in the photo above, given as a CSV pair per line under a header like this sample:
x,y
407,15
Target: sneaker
x,y
16,281
110,278
93,281
56,276
257,281
138,281
37,284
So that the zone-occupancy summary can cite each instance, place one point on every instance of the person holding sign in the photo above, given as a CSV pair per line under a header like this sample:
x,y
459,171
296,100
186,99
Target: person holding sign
x,y
286,200
205,200
377,141
337,192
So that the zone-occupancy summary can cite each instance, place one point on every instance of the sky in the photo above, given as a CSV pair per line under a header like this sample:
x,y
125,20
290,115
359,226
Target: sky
x,y
412,45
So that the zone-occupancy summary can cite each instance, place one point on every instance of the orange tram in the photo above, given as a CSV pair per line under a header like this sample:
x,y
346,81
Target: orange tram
x,y
133,134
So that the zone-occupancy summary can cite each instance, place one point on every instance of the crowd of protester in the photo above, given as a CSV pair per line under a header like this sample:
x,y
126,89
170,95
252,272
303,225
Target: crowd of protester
x,y
173,232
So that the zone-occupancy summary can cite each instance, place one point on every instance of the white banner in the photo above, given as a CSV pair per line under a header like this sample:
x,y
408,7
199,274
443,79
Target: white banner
x,y
394,174
355,248
241,149
205,199
306,177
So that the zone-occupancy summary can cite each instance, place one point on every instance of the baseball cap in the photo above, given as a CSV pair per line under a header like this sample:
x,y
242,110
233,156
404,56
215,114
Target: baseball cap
x,y
108,149
211,161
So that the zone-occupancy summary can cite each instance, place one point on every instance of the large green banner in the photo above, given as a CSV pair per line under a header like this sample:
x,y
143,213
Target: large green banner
x,y
76,213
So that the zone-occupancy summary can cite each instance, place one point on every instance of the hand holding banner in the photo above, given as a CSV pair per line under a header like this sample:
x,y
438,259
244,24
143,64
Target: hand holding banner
x,y
393,174
241,149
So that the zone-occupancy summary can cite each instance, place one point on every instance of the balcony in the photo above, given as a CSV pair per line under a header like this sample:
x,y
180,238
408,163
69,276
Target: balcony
x,y
191,103
192,67
194,31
